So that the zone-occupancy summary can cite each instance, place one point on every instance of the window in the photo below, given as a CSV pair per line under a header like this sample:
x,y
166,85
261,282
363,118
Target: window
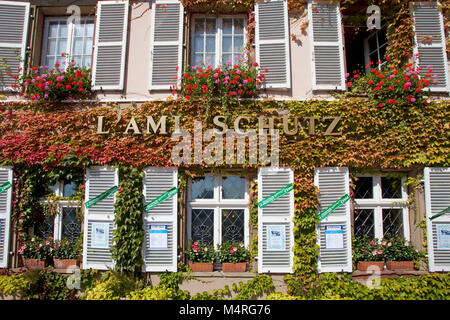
x,y
375,47
67,221
63,36
217,41
218,209
380,207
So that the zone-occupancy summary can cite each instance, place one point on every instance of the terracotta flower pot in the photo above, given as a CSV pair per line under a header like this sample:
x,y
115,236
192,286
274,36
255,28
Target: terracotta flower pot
x,y
201,266
400,265
370,265
35,263
64,263
234,267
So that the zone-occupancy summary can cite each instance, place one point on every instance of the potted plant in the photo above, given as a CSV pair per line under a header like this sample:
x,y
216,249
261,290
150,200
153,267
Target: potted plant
x,y
399,254
233,256
201,257
63,82
36,253
65,254
368,254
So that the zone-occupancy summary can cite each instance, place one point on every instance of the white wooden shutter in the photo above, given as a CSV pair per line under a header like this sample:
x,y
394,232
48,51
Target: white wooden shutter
x,y
110,45
13,39
327,46
333,183
278,213
98,180
437,199
6,175
156,182
430,42
272,42
166,44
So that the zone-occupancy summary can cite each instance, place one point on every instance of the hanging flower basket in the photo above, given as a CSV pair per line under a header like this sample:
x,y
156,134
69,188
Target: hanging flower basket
x,y
234,267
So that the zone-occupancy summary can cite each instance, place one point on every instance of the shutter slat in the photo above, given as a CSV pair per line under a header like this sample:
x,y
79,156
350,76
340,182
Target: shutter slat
x,y
272,42
110,45
333,183
166,44
327,46
156,182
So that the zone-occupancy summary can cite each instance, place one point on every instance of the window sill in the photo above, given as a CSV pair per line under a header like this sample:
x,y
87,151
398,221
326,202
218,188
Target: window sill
x,y
220,274
363,275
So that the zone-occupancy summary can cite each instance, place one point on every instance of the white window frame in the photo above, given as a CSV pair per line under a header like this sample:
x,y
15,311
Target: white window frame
x,y
63,203
218,204
219,35
70,37
367,51
378,203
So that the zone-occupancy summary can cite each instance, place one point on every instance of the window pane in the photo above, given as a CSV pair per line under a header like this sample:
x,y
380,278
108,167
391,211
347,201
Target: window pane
x,y
53,29
233,187
364,188
382,52
77,47
211,26
226,59
53,188
202,225
199,26
233,225
227,44
198,43
238,26
227,26
382,37
364,223
62,30
71,224
374,57
70,189
392,222
51,48
391,188
61,46
372,43
48,227
198,58
203,188
210,59
88,46
238,44
211,44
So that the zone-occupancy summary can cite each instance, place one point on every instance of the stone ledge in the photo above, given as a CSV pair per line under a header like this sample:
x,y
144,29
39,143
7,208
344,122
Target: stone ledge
x,y
220,274
358,275
66,271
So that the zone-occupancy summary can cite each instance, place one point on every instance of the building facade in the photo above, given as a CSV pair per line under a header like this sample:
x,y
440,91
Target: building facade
x,y
72,158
